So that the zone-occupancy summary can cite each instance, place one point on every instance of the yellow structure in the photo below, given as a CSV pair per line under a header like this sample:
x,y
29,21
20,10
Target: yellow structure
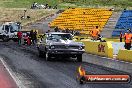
x,y
82,19
125,55
99,48
40,36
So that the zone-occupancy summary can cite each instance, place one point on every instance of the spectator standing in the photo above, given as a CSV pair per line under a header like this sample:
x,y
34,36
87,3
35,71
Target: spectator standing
x,y
128,39
27,40
19,35
35,4
48,31
67,30
121,36
46,6
56,29
95,33
31,36
35,36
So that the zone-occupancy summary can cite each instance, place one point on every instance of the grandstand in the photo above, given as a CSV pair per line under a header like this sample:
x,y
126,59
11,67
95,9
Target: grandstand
x,y
82,19
124,22
110,25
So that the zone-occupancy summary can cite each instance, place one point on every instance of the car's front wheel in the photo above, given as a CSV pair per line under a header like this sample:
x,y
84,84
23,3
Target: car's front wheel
x,y
82,80
41,53
79,58
47,56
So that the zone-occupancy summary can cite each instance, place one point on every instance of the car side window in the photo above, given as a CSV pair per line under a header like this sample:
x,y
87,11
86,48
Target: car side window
x,y
7,28
50,38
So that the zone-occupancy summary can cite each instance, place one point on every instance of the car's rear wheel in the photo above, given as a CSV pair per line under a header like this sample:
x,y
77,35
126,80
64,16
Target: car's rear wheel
x,y
79,58
15,40
5,38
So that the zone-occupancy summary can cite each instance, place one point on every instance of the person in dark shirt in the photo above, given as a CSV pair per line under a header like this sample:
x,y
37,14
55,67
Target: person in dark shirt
x,y
56,29
128,39
121,36
31,36
35,36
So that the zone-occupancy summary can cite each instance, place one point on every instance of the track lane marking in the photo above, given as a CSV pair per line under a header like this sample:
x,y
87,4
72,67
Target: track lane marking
x,y
13,76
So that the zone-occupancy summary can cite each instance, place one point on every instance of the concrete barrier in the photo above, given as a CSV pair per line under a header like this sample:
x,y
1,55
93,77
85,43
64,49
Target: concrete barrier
x,y
117,46
99,48
125,55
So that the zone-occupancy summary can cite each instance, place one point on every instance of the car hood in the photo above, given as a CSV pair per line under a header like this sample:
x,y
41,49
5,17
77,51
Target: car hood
x,y
64,42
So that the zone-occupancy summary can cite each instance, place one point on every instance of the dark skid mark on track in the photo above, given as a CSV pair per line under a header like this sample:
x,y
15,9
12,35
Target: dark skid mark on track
x,y
66,68
25,74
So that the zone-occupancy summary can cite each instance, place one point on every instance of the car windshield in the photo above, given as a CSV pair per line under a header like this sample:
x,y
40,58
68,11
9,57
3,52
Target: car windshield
x,y
60,36
14,27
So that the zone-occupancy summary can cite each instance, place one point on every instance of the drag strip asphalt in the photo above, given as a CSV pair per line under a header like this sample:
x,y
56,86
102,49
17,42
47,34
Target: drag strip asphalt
x,y
35,72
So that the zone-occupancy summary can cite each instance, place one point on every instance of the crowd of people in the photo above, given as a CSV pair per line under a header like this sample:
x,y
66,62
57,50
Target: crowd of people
x,y
29,38
127,37
95,35
73,32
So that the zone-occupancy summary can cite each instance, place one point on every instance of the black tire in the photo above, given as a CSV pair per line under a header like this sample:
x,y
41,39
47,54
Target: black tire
x,y
41,53
47,57
15,40
82,80
79,58
5,38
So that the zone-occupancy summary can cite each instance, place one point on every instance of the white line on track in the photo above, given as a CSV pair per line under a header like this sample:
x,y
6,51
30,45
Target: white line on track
x,y
14,77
